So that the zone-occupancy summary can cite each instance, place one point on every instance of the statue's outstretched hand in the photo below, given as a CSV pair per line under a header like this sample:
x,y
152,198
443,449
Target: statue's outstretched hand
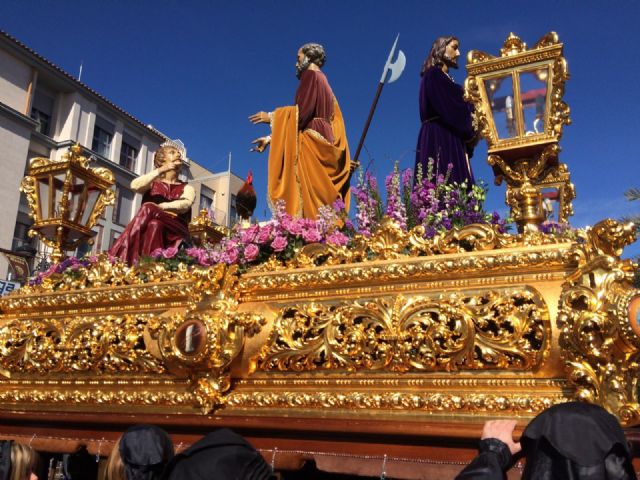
x,y
259,117
260,144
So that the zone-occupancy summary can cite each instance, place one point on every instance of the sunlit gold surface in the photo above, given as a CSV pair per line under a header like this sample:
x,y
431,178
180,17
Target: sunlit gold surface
x,y
526,161
203,230
73,164
601,349
464,323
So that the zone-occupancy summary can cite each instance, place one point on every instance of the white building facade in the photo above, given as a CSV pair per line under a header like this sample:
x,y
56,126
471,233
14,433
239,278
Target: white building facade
x,y
43,111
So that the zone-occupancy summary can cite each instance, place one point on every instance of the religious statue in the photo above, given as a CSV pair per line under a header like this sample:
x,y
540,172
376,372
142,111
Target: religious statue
x,y
447,134
309,158
163,219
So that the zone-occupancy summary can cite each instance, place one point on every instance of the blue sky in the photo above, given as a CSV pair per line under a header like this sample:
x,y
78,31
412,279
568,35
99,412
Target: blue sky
x,y
197,69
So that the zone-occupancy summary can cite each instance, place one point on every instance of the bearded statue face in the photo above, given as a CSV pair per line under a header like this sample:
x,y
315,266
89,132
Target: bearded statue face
x,y
451,53
302,64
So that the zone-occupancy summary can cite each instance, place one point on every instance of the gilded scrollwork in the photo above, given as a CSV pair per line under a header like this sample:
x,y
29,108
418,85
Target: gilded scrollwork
x,y
108,344
600,350
494,330
512,46
527,156
449,403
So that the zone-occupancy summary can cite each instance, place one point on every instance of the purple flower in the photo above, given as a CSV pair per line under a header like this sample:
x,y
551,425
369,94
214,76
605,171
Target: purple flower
x,y
251,252
279,243
157,253
339,205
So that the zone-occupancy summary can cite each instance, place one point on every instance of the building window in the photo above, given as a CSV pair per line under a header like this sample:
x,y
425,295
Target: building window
x,y
128,156
123,206
20,235
206,198
232,211
101,142
44,121
42,111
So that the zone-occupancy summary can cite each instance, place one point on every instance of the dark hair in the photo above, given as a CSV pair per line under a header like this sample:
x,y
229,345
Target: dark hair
x,y
315,53
436,55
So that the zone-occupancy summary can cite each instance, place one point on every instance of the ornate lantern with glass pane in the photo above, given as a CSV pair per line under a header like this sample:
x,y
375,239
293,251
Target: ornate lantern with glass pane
x,y
66,199
520,112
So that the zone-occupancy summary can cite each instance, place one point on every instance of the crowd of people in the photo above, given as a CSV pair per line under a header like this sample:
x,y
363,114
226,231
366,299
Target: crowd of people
x,y
570,441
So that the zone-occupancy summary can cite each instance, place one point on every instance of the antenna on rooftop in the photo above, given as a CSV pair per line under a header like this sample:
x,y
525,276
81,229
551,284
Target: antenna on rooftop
x,y
80,72
229,168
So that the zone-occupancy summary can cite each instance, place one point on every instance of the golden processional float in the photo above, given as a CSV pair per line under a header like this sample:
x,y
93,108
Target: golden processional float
x,y
381,359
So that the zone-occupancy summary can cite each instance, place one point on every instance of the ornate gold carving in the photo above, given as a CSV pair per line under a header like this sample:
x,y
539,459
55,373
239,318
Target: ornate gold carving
x,y
512,45
526,158
547,40
476,56
70,182
479,403
203,230
600,349
135,343
82,344
506,329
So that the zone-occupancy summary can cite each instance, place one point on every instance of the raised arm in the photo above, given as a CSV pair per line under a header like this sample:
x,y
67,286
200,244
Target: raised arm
x,y
182,204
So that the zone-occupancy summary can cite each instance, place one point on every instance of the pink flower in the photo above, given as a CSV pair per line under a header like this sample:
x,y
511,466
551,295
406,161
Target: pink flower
x,y
248,235
279,243
264,235
311,235
293,226
231,255
170,252
251,252
337,238
214,257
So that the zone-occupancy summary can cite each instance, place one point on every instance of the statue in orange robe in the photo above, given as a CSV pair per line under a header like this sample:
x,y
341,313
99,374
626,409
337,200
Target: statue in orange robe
x,y
309,160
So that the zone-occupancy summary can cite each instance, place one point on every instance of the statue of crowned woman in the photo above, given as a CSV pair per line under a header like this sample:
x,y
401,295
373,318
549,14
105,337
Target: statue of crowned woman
x,y
163,219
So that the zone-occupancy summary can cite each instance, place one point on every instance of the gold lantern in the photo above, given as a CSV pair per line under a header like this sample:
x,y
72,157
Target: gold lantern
x,y
521,114
204,231
66,198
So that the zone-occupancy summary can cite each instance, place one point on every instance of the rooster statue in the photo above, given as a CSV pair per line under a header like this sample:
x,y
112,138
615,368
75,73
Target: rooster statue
x,y
246,199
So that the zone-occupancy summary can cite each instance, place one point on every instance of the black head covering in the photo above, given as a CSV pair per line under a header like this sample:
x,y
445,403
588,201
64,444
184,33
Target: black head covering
x,y
223,455
576,441
145,450
5,459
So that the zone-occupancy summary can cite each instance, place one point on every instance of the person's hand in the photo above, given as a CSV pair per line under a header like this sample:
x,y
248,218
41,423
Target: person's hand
x,y
260,117
503,431
173,165
260,144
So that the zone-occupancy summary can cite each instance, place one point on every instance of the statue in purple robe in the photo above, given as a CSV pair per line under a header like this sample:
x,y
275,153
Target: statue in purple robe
x,y
447,135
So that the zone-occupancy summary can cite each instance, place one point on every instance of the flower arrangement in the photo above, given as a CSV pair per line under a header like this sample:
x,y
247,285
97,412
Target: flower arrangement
x,y
426,199
69,266
431,201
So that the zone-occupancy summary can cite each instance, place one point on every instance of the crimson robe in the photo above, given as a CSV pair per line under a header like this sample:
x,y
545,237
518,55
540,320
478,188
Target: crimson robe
x,y
153,227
